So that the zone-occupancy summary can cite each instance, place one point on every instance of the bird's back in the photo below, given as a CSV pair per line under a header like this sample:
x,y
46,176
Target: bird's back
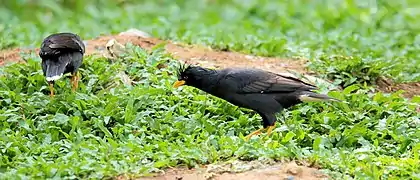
x,y
251,80
61,43
260,90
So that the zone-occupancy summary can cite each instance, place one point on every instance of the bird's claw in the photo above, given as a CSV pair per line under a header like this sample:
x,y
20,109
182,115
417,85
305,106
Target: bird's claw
x,y
257,132
253,133
248,137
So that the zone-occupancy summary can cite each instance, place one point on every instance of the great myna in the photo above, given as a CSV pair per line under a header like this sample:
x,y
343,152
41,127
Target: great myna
x,y
264,92
61,53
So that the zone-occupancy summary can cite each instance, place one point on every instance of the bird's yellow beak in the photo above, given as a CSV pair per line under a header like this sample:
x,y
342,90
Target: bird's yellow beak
x,y
179,83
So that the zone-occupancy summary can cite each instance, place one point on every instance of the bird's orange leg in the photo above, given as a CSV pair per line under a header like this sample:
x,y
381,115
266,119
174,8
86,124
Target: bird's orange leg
x,y
71,80
75,81
270,128
254,133
51,89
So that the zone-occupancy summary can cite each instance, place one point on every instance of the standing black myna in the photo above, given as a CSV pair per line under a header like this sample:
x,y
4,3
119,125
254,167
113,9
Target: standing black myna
x,y
264,92
61,53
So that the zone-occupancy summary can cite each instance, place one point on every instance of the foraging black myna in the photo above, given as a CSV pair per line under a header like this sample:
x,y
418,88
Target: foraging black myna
x,y
61,53
264,92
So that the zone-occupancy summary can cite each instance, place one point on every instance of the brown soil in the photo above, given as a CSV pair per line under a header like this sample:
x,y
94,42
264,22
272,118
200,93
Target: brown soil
x,y
11,55
278,171
410,89
205,56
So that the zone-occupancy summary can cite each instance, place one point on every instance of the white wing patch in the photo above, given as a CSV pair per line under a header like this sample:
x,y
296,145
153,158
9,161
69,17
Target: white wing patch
x,y
307,98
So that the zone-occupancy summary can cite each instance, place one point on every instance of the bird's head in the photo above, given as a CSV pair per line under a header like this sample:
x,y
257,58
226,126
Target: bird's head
x,y
190,75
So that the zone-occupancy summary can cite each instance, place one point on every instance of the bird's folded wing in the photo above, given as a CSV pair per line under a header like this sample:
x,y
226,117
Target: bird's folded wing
x,y
265,83
66,42
60,44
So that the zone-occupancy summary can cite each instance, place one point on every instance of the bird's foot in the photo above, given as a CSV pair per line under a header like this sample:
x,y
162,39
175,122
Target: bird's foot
x,y
253,133
270,129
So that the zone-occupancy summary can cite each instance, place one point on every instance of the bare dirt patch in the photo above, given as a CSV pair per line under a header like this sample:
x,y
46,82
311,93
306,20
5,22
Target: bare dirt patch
x,y
410,89
12,55
277,171
203,55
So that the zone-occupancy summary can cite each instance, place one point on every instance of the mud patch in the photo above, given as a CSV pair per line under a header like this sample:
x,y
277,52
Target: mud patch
x,y
240,170
13,55
203,55
410,89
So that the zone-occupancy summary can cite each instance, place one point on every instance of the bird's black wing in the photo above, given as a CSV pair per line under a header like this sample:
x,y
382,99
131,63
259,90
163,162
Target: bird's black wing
x,y
257,81
61,43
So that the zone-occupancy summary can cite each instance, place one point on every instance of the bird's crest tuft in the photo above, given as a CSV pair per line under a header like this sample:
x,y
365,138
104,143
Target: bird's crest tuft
x,y
182,67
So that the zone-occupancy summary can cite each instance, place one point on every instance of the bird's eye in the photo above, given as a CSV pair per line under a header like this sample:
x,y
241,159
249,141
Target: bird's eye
x,y
185,77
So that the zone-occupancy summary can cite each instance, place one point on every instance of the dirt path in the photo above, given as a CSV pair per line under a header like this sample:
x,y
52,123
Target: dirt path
x,y
239,170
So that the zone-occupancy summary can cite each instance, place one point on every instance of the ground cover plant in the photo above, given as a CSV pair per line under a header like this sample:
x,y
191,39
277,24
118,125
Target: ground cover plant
x,y
127,119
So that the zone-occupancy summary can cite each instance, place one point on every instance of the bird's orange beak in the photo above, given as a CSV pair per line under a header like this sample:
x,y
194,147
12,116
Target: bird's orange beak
x,y
179,83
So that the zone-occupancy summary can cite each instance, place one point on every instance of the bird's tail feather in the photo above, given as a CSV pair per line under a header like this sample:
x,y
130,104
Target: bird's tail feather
x,y
314,97
55,69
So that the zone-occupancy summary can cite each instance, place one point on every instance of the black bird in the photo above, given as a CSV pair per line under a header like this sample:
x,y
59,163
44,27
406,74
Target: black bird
x,y
262,91
61,53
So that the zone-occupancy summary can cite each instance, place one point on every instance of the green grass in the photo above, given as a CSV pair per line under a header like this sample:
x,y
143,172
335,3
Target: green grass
x,y
110,127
